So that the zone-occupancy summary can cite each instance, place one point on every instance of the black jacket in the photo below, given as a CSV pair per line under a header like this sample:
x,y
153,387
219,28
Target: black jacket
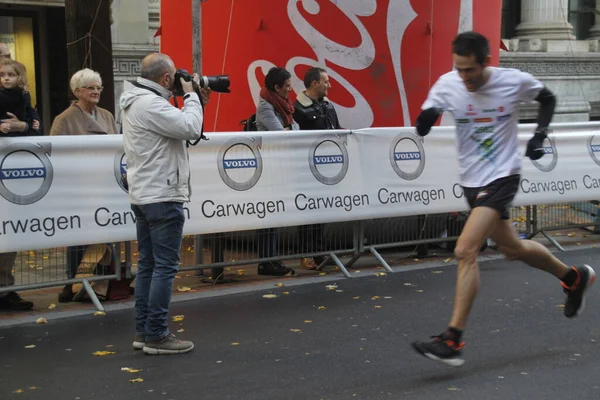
x,y
315,116
18,102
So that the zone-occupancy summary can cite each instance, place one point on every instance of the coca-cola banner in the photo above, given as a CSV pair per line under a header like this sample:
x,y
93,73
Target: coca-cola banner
x,y
382,55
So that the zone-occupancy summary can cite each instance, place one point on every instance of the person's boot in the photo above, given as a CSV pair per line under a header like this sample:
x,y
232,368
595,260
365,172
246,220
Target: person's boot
x,y
274,268
66,295
13,302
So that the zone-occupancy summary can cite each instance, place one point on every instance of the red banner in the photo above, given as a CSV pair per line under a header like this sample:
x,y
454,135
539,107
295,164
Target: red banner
x,y
382,56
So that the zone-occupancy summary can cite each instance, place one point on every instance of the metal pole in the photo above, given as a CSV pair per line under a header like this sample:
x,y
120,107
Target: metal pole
x,y
197,36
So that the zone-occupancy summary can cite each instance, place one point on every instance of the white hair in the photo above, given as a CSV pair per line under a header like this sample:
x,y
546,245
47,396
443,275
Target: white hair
x,y
83,77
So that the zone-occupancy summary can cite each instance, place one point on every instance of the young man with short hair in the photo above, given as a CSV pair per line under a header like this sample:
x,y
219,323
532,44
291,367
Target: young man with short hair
x,y
481,96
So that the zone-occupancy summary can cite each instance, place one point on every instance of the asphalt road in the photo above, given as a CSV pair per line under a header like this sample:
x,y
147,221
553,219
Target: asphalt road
x,y
519,345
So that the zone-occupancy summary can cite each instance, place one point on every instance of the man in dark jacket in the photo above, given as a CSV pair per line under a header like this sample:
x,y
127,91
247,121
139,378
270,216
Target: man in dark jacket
x,y
314,111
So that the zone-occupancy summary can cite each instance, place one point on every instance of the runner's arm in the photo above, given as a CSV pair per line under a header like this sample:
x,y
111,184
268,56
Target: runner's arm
x,y
547,102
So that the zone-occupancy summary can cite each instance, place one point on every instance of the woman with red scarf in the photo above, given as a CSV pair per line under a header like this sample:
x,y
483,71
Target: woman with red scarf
x,y
275,109
274,113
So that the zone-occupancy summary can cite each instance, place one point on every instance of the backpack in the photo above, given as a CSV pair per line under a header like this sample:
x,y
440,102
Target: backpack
x,y
250,123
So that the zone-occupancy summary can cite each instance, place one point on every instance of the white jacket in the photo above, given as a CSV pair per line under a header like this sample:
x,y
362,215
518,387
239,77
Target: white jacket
x,y
154,135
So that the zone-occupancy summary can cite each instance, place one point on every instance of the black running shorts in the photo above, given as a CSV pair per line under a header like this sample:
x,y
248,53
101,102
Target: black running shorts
x,y
497,195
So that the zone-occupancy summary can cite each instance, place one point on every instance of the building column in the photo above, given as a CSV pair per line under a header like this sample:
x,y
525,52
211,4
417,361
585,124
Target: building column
x,y
545,19
595,31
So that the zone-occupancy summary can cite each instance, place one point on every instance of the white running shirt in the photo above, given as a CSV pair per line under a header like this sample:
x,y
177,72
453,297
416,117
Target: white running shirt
x,y
486,121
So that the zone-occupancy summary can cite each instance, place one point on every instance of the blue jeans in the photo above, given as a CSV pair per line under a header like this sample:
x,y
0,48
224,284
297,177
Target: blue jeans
x,y
159,232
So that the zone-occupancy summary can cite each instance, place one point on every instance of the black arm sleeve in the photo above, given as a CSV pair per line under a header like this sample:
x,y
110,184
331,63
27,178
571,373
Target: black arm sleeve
x,y
426,119
547,102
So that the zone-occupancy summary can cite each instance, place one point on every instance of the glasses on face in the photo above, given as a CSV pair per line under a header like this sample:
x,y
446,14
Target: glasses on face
x,y
94,88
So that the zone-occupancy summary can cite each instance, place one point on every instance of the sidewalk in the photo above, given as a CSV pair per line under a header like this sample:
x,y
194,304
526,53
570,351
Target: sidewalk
x,y
187,283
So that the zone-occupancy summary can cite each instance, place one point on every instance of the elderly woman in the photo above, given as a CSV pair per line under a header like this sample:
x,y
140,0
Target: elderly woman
x,y
83,117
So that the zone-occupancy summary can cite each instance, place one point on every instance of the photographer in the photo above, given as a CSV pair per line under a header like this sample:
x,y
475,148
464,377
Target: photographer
x,y
158,172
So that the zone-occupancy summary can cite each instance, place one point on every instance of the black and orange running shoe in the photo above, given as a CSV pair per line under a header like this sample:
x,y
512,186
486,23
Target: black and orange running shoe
x,y
575,302
442,350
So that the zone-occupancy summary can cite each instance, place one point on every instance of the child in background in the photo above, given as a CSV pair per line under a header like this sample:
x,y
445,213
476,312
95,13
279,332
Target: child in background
x,y
15,100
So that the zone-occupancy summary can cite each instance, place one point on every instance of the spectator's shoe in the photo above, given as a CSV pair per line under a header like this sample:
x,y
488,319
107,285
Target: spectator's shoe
x,y
139,341
66,295
13,302
275,268
445,351
575,302
168,345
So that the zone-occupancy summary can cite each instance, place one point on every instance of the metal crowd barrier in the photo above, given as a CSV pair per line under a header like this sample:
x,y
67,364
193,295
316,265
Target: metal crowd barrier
x,y
36,269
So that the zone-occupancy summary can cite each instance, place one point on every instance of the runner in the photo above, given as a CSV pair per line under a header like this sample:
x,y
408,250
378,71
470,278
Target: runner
x,y
484,102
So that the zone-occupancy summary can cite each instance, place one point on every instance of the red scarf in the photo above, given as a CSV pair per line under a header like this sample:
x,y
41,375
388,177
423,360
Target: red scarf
x,y
284,107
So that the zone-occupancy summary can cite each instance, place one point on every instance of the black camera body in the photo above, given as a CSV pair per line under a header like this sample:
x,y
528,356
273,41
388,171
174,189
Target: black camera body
x,y
218,83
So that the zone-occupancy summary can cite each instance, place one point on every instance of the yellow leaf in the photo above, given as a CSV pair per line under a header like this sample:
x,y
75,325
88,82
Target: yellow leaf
x,y
377,306
104,353
452,388
279,284
99,314
31,346
240,272
356,297
180,330
32,388
375,297
183,289
331,287
381,274
286,292
447,260
560,306
227,268
420,291
178,318
437,272
19,391
416,259
136,380
296,330
322,273
571,234
269,296
235,344
130,370
321,308
41,321
52,306
307,321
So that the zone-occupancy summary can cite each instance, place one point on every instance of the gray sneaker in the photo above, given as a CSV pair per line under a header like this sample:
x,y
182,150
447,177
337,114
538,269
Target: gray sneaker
x,y
139,341
168,345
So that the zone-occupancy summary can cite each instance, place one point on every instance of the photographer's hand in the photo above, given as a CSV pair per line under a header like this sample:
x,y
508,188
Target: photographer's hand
x,y
186,86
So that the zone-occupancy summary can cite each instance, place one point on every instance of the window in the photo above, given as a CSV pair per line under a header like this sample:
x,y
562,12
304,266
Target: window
x,y
511,16
581,16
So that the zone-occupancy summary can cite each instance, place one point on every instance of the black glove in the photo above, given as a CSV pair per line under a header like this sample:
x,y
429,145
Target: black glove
x,y
426,119
535,146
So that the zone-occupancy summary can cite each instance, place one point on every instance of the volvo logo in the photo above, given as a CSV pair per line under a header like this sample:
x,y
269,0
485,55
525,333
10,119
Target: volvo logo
x,y
328,158
594,149
240,163
407,156
120,168
25,172
548,150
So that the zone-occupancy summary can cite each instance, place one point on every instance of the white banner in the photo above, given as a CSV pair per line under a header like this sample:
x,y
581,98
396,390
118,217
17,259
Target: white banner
x,y
65,190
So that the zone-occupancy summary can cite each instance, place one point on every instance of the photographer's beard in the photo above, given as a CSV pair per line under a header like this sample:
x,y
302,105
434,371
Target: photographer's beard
x,y
169,82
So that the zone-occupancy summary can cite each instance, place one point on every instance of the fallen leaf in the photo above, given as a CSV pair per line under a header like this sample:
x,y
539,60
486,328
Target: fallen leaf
x,y
52,306
279,284
269,296
240,272
437,272
560,306
307,321
420,291
31,346
286,292
19,391
183,289
99,313
178,318
452,388
375,297
416,259
447,260
339,291
41,321
296,330
381,274
108,346
331,287
321,308
235,344
322,273
136,380
130,370
356,297
571,234
104,353
32,388
377,306
180,330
